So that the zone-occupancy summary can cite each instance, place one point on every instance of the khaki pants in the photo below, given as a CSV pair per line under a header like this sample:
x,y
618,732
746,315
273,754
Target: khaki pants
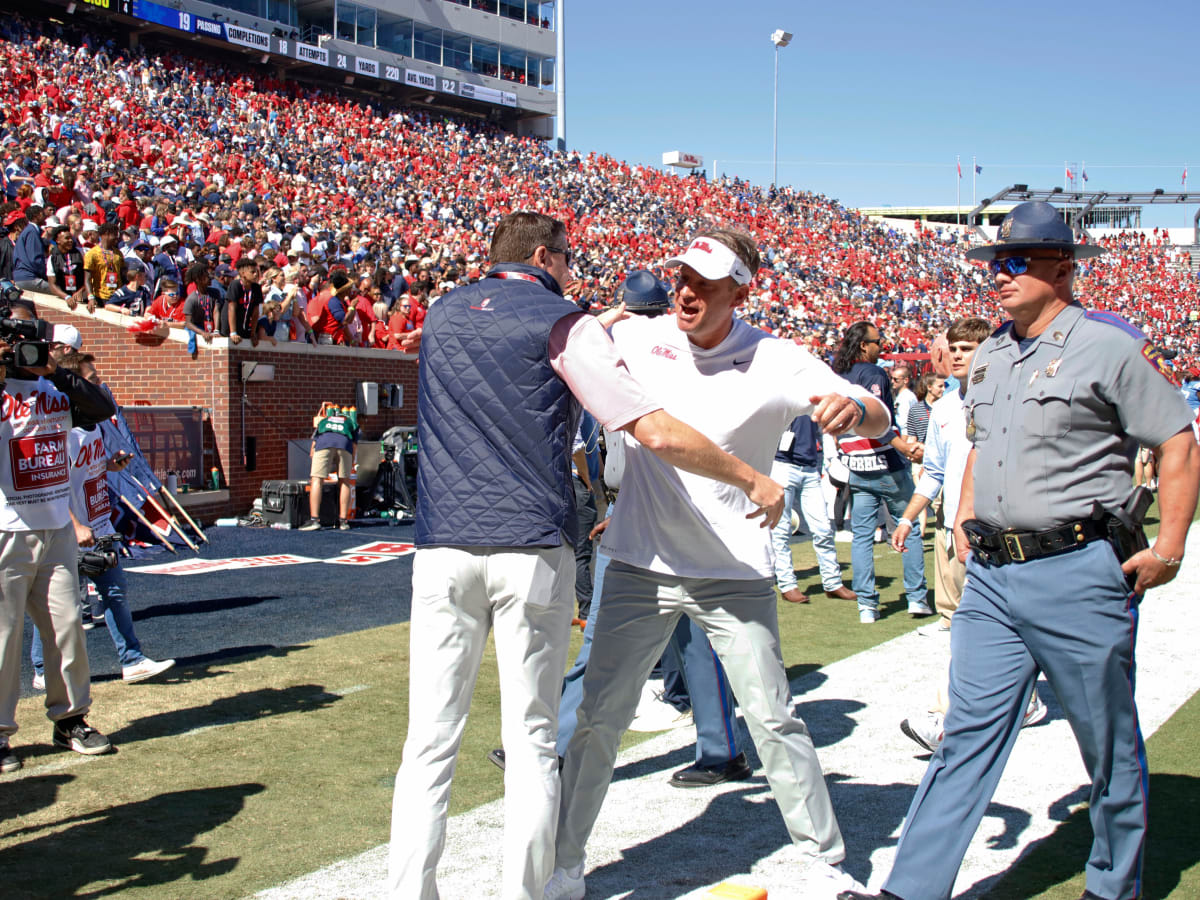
x,y
38,576
948,572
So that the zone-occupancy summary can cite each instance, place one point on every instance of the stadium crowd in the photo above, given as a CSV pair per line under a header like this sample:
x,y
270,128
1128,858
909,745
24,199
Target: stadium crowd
x,y
197,160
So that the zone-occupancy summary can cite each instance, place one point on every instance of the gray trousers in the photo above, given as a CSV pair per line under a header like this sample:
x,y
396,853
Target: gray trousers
x,y
38,576
1073,617
638,611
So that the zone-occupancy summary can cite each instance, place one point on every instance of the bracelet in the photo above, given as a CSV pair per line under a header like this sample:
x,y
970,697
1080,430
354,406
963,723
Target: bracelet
x,y
903,520
1169,562
862,411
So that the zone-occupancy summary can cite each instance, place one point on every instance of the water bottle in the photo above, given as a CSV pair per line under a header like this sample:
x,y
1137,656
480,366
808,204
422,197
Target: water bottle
x,y
172,483
216,479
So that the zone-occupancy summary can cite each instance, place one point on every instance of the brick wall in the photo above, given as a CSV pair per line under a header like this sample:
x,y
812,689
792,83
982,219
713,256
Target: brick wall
x,y
155,370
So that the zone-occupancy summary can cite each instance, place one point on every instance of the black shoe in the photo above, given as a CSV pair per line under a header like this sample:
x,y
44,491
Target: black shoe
x,y
75,734
859,895
737,769
9,761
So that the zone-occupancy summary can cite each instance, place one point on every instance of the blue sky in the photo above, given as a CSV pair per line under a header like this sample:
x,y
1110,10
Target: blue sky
x,y
876,99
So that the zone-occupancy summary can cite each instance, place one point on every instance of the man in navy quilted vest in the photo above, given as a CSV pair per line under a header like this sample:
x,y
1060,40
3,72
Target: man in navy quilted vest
x,y
504,365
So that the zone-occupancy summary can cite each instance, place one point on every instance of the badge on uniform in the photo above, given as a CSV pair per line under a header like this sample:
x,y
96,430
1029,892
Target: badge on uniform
x,y
1155,357
979,374
1052,369
971,424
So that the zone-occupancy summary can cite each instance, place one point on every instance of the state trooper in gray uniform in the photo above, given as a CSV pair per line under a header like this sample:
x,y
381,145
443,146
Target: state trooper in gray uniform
x,y
1057,402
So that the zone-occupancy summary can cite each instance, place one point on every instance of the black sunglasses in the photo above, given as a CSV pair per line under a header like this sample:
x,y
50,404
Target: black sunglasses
x,y
564,251
1015,265
874,341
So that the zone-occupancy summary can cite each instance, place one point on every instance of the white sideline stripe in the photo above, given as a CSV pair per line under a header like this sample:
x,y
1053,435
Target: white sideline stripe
x,y
657,834
76,759
353,689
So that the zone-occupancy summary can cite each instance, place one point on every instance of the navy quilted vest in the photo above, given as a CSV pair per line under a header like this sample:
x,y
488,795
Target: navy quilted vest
x,y
495,424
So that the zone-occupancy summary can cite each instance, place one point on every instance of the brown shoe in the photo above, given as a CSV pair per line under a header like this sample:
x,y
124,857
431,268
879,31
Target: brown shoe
x,y
842,593
793,595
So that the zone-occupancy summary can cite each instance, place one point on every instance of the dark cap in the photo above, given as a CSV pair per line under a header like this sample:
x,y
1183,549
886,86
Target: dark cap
x,y
1030,226
643,294
142,244
225,271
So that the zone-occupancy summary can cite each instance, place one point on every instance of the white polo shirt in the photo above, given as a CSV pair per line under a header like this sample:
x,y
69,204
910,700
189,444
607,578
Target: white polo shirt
x,y
742,394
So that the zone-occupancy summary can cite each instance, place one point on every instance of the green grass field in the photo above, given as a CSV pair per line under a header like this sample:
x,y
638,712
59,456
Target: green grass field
x,y
242,774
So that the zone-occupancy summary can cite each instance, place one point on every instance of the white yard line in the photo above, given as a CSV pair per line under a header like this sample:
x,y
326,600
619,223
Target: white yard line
x,y
655,841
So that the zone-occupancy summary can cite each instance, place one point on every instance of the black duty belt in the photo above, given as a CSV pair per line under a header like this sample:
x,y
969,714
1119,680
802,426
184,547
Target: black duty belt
x,y
999,548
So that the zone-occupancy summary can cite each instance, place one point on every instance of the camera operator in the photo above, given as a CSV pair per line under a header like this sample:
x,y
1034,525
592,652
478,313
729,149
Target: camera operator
x,y
98,562
39,405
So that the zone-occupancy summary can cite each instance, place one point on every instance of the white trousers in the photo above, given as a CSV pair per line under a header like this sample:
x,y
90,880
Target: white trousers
x,y
527,597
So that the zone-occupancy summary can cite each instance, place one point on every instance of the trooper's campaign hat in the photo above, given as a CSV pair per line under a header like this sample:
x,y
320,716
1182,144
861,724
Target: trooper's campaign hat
x,y
1034,225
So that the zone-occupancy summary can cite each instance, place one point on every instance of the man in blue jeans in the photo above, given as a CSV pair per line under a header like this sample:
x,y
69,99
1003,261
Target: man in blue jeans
x,y
89,465
880,475
797,467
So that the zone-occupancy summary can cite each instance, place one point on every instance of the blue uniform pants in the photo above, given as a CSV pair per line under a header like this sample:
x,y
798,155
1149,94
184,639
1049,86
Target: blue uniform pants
x,y
1073,617
869,491
717,735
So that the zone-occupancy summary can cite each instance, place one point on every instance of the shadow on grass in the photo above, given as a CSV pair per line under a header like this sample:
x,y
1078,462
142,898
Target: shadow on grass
x,y
134,845
1173,846
34,792
198,607
245,707
202,665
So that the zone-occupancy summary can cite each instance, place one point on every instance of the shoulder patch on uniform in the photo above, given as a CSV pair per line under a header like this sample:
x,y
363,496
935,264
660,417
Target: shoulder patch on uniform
x,y
1097,315
1155,357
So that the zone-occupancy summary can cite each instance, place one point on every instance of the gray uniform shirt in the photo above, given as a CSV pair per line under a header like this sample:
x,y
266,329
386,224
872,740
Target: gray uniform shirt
x,y
1055,427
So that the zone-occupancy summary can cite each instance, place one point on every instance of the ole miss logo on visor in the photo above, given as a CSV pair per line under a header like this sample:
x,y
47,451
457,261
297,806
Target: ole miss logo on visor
x,y
701,245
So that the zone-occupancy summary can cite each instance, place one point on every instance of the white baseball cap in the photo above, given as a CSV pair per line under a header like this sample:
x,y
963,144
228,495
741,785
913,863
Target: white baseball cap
x,y
713,260
67,334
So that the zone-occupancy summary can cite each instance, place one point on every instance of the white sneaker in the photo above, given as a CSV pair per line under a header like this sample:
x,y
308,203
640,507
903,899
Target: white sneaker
x,y
565,884
147,668
940,628
822,880
659,716
39,682
1035,712
868,616
927,730
919,608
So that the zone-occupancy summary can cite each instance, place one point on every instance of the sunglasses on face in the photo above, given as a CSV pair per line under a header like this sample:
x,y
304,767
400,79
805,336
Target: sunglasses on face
x,y
564,251
1014,265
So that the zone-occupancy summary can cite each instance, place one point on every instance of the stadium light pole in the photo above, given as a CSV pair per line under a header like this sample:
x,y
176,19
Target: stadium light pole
x,y
779,38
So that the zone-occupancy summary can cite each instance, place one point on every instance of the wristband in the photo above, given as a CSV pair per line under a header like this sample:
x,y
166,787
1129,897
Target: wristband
x,y
1169,562
904,520
862,411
